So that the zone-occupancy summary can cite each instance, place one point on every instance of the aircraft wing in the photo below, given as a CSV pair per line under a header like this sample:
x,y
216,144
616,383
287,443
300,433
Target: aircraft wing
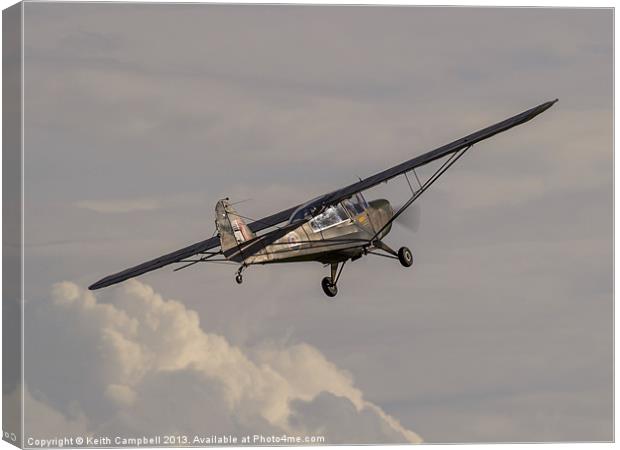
x,y
332,197
157,263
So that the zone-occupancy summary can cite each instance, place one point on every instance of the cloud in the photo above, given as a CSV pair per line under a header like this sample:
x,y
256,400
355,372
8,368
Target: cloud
x,y
118,206
328,414
145,365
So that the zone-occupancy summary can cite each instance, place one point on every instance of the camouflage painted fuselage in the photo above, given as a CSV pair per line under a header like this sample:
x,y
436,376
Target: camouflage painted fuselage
x,y
303,242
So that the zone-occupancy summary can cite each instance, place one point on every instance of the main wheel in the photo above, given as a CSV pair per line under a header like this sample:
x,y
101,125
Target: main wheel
x,y
239,278
405,257
329,288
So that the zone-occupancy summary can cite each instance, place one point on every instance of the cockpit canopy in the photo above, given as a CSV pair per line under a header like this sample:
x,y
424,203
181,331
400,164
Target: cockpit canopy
x,y
332,215
357,204
306,211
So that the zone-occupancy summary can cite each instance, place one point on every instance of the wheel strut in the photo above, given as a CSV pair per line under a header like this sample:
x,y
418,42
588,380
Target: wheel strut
x,y
335,272
329,284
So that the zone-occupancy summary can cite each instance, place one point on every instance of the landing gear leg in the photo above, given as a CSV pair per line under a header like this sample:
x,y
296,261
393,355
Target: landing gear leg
x,y
329,283
404,254
239,276
386,248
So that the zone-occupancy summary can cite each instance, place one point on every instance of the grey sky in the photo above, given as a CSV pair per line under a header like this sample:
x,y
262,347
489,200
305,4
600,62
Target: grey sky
x,y
138,118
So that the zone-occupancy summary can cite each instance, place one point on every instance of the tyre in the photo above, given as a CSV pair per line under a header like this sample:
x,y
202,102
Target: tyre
x,y
329,288
239,278
405,257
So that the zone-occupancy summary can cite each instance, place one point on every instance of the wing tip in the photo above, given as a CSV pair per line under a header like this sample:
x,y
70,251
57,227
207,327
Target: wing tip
x,y
105,282
530,114
97,285
550,103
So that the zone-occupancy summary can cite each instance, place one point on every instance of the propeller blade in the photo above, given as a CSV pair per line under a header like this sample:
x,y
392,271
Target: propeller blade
x,y
410,218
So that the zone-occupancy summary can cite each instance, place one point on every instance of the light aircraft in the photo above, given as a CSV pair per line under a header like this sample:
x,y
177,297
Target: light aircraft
x,y
332,229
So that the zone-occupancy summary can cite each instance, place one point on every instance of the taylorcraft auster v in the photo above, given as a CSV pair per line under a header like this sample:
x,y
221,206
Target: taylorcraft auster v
x,y
332,229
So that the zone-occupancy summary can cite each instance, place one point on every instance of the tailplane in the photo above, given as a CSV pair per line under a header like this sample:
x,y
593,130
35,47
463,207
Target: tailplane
x,y
231,228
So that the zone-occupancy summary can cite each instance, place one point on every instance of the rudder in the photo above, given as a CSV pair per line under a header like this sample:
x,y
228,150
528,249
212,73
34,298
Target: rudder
x,y
231,229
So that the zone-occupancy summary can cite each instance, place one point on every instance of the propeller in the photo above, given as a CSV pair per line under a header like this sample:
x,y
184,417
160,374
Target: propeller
x,y
410,218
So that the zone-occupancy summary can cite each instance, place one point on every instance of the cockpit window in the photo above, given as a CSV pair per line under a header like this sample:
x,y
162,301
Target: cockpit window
x,y
331,216
305,211
356,204
328,218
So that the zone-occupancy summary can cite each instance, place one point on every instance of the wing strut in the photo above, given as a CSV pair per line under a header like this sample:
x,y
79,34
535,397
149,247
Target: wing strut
x,y
423,187
196,261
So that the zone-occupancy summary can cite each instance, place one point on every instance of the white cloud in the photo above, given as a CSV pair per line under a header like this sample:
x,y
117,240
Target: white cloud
x,y
146,365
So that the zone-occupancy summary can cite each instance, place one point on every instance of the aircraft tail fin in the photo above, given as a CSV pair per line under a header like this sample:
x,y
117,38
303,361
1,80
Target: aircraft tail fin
x,y
231,227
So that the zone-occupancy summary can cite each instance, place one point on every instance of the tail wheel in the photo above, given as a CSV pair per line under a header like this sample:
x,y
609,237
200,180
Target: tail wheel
x,y
329,288
239,278
405,257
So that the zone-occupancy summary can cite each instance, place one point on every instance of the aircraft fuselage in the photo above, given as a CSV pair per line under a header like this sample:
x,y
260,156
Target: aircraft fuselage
x,y
333,236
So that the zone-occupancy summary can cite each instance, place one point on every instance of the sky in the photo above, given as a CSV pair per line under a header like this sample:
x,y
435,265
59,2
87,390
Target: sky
x,y
138,118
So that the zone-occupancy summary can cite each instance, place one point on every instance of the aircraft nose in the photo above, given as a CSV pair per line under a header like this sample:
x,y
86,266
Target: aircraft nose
x,y
383,205
385,210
